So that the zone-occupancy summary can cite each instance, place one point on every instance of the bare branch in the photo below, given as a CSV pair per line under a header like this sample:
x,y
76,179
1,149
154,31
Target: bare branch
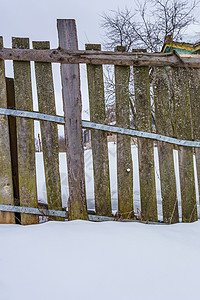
x,y
149,24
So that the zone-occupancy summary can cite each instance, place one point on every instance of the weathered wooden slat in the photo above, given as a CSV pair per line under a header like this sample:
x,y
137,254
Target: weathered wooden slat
x,y
145,147
70,77
124,157
6,185
99,138
49,130
13,144
25,134
68,56
165,151
183,130
194,87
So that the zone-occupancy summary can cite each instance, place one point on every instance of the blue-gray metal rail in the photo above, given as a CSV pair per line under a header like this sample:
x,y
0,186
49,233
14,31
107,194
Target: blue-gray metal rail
x,y
45,212
103,127
63,214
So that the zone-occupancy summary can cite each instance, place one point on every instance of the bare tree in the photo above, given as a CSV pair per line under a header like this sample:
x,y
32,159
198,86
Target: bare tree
x,y
149,24
117,28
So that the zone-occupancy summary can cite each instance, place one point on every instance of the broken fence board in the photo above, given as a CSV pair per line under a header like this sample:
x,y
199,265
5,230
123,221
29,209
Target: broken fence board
x,y
25,134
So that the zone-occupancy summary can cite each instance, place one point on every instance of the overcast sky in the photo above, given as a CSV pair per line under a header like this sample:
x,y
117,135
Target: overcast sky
x,y
37,18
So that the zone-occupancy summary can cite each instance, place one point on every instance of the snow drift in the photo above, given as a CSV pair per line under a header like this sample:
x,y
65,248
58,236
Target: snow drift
x,y
102,261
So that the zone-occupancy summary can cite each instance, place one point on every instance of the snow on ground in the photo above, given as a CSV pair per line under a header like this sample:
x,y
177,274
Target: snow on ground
x,y
99,261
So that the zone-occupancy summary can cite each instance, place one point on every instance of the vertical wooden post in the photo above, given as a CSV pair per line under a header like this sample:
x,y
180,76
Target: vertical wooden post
x,y
124,157
165,150
6,185
194,85
70,77
183,131
13,144
49,130
145,146
25,134
99,138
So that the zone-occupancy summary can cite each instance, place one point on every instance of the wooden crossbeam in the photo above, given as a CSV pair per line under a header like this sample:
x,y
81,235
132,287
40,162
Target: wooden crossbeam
x,y
62,56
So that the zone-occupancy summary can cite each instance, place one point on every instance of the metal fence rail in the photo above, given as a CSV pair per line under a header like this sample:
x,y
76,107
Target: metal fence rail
x,y
103,127
64,214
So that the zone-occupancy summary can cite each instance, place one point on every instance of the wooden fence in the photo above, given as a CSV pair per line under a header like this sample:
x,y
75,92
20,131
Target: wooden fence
x,y
176,97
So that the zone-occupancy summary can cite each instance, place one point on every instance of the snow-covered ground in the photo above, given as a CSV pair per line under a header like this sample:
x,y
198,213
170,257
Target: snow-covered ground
x,y
113,179
99,261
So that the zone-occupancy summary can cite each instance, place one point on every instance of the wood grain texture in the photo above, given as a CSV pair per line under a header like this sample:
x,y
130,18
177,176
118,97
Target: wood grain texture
x,y
99,138
6,185
183,130
70,77
49,130
165,151
25,134
124,157
145,147
13,144
194,87
68,56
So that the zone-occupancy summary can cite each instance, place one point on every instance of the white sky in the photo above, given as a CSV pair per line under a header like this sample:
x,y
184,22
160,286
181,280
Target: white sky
x,y
37,18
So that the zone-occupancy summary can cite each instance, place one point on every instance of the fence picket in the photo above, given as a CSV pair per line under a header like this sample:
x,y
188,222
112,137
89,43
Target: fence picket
x,y
124,157
145,147
49,130
194,84
6,184
25,134
13,144
70,77
183,131
165,150
99,138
